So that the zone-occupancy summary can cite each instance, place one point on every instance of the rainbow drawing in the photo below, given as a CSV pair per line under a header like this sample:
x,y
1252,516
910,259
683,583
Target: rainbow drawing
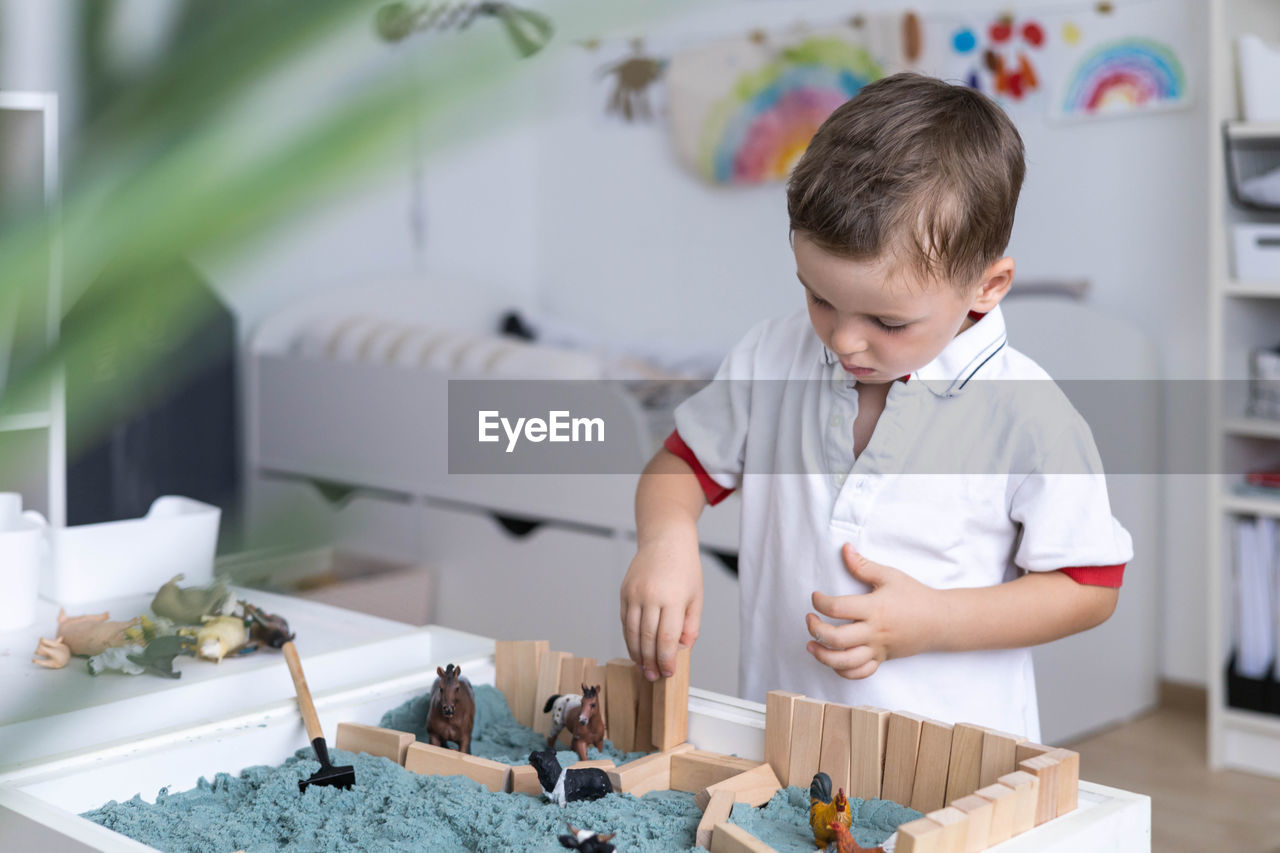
x,y
1125,75
758,131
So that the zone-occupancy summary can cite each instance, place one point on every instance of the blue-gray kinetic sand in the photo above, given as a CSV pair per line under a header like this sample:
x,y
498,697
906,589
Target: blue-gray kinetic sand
x,y
391,809
783,822
495,734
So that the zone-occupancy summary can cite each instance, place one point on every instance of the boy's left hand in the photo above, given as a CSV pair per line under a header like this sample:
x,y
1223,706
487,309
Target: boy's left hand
x,y
894,620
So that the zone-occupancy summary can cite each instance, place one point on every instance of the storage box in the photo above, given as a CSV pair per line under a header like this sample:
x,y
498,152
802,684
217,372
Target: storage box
x,y
1257,252
91,562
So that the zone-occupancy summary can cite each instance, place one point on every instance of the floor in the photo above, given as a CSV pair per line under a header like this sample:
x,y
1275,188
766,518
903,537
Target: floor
x,y
1163,755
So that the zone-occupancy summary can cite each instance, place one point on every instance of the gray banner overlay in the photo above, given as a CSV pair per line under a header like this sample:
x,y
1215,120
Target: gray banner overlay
x,y
614,427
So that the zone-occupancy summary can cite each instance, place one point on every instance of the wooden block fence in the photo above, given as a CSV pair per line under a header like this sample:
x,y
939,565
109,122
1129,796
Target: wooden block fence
x,y
976,786
944,771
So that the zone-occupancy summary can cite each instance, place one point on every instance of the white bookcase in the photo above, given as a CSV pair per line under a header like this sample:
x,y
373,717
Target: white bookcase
x,y
1243,315
33,428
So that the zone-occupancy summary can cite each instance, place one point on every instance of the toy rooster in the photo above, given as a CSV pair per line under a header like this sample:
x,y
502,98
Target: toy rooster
x,y
825,811
845,842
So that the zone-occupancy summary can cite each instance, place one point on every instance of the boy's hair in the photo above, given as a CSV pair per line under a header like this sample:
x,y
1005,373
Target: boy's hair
x,y
914,169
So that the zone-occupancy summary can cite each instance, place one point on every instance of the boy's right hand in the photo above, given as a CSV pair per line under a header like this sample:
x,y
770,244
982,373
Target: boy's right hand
x,y
661,603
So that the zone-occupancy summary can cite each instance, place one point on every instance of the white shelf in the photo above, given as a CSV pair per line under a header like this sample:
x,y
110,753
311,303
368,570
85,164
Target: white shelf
x,y
1252,721
1250,505
1252,289
1252,428
1254,130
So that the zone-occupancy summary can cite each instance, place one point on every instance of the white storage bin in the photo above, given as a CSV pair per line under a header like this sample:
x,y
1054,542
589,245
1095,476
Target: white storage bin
x,y
91,562
1257,252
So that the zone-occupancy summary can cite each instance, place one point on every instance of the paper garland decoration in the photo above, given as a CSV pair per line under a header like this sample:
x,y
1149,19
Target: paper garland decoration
x,y
753,125
1124,75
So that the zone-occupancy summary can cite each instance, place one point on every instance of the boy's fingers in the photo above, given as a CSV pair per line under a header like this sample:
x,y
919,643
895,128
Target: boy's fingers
x,y
844,636
865,671
842,660
631,632
851,608
669,629
649,620
872,574
692,623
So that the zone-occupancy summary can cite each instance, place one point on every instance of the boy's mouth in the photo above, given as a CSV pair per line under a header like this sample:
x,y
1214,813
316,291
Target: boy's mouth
x,y
857,371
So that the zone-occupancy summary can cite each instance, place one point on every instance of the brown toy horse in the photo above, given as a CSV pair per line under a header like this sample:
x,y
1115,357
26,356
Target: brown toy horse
x,y
580,715
452,711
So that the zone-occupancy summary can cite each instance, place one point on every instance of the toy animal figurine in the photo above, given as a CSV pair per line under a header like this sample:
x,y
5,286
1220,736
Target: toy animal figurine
x,y
189,606
824,811
568,786
452,711
845,842
266,628
51,654
91,634
581,715
116,659
220,636
587,841
157,657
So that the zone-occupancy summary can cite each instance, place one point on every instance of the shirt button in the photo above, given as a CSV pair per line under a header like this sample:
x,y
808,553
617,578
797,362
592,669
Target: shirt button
x,y
834,422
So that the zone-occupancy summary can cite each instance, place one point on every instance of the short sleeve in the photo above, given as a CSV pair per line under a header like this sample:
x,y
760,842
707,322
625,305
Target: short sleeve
x,y
713,422
1065,512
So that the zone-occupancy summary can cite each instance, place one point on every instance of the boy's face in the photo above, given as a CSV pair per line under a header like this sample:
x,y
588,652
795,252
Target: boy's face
x,y
881,323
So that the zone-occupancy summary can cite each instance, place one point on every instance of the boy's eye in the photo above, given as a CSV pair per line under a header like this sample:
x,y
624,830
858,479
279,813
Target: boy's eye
x,y
888,328
814,299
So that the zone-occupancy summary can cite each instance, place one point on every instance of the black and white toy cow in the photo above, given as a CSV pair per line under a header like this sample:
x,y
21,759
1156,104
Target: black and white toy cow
x,y
568,786
587,841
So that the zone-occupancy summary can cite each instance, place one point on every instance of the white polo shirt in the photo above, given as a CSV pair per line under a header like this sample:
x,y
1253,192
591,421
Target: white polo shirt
x,y
966,482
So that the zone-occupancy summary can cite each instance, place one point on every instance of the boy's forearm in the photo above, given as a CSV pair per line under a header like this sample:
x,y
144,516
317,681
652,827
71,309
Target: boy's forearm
x,y
669,500
1038,607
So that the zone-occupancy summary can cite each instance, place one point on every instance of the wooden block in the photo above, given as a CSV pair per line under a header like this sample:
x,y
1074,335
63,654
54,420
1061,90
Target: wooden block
x,y
595,674
933,759
524,780
998,755
964,773
806,741
651,773
870,733
605,764
516,663
955,828
1045,768
1026,750
389,743
1003,801
1027,789
644,714
548,684
919,836
835,754
755,787
778,705
1068,779
573,673
731,838
979,811
902,743
692,771
717,812
436,761
620,685
671,704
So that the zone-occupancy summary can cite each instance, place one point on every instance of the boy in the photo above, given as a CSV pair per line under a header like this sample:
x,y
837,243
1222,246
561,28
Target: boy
x,y
910,525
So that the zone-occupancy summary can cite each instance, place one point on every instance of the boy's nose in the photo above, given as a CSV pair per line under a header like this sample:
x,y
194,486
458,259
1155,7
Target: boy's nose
x,y
846,340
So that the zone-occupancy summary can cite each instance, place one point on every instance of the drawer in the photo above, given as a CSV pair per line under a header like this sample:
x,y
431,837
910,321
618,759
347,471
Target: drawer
x,y
523,580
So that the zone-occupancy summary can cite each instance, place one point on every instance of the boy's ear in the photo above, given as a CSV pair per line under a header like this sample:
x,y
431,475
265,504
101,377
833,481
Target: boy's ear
x,y
996,281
